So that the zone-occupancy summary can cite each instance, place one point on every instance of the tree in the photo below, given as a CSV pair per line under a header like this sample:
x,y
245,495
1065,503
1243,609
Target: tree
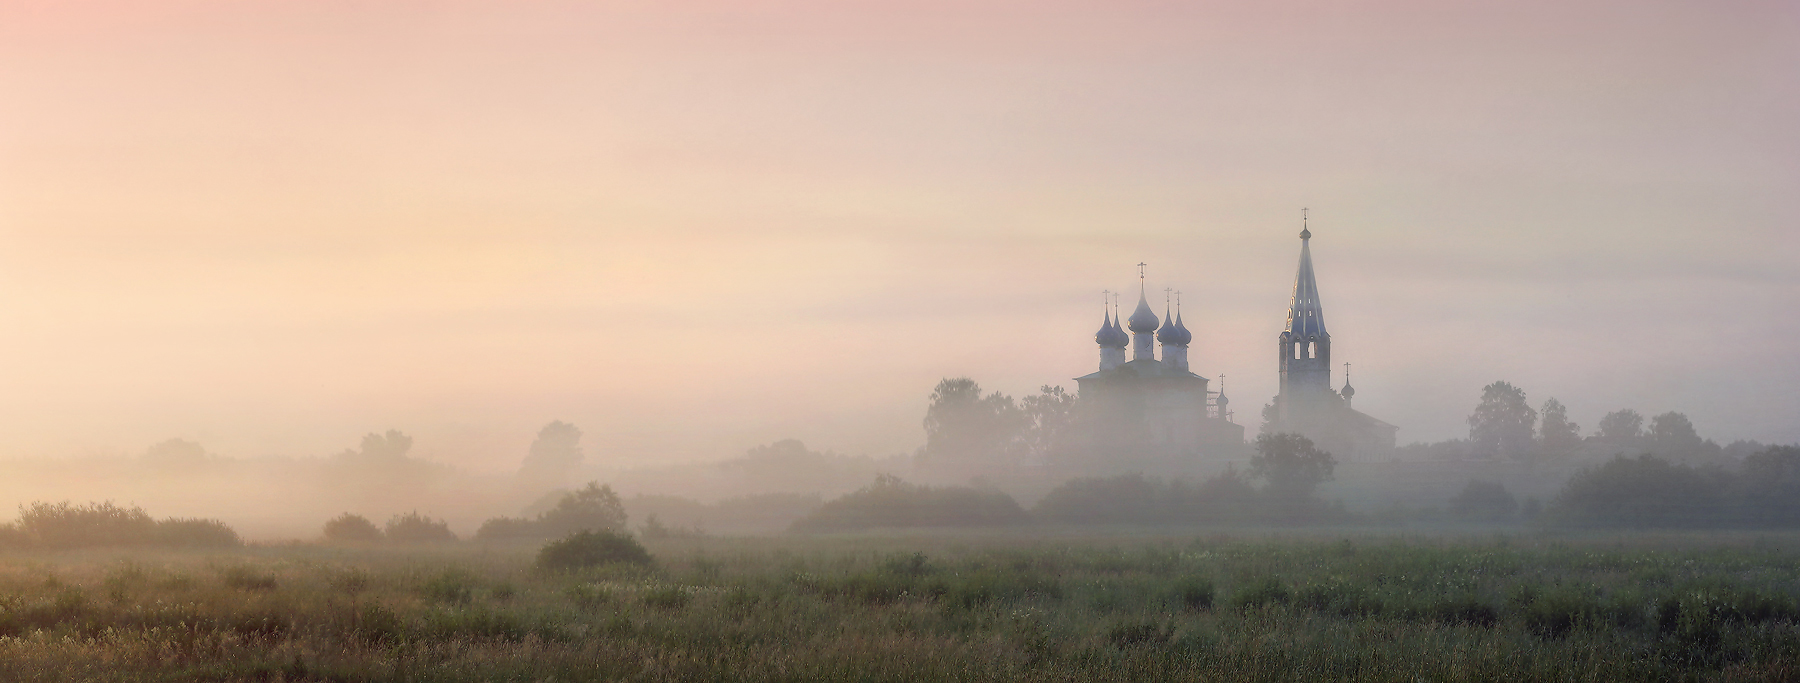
x,y
1672,434
1047,417
1621,426
554,455
413,527
393,445
1502,423
963,427
1558,434
590,508
1290,466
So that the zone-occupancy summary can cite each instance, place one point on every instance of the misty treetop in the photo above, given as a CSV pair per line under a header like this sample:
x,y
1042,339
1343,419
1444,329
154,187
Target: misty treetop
x,y
594,507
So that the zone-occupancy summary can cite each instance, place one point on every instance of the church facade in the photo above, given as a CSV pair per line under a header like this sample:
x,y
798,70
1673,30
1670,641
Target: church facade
x,y
1142,412
1145,412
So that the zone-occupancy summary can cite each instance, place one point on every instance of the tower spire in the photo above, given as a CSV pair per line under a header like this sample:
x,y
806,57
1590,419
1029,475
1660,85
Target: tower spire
x,y
1306,319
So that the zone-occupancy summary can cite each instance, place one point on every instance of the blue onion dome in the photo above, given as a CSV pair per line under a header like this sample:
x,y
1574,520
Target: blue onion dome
x,y
1180,329
1105,333
1143,319
1223,401
1116,337
1167,334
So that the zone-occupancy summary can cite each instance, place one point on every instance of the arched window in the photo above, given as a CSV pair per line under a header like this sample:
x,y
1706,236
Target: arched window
x,y
1312,349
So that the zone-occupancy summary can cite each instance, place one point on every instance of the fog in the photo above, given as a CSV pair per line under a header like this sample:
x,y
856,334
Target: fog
x,y
694,230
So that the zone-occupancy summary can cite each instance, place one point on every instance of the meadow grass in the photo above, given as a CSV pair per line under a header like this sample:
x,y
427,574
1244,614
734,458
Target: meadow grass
x,y
1065,605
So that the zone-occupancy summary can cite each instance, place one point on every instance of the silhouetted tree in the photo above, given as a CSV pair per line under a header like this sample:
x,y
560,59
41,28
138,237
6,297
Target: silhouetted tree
x,y
1048,417
1645,491
1558,434
1503,422
554,456
963,427
1672,434
1621,427
393,445
1290,466
177,455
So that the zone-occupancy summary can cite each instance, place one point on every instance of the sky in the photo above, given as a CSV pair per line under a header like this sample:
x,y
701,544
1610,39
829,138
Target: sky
x,y
695,227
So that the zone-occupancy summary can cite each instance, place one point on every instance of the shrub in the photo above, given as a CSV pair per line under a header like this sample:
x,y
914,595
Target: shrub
x,y
591,549
890,502
64,525
591,508
197,533
504,528
413,527
349,528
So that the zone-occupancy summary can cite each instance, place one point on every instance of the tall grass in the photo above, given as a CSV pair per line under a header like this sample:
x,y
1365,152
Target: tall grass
x,y
917,608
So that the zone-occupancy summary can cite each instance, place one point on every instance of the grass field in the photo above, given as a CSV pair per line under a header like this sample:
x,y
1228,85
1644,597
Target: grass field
x,y
968,607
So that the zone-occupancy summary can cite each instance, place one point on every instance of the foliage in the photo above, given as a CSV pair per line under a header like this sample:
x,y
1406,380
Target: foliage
x,y
1672,435
890,502
1558,435
66,525
964,429
1621,426
1136,499
1502,422
349,528
1643,492
196,533
413,527
584,549
1290,466
594,507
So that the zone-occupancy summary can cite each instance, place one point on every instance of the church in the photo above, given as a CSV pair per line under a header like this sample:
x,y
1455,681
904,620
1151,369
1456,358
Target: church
x,y
1156,414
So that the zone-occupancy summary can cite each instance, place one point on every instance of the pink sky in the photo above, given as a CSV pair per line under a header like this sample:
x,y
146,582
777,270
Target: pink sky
x,y
691,228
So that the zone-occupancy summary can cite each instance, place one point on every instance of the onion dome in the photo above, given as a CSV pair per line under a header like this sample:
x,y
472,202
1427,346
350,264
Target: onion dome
x,y
1105,333
1116,337
1168,334
1348,391
1223,401
1182,330
1143,320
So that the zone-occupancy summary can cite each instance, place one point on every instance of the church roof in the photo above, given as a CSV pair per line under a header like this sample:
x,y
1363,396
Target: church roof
x,y
1305,317
1142,368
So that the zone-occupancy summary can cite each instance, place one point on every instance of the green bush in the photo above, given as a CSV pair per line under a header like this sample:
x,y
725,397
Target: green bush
x,y
454,585
890,502
592,549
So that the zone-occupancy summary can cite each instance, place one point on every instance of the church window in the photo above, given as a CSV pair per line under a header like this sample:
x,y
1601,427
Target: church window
x,y
1312,349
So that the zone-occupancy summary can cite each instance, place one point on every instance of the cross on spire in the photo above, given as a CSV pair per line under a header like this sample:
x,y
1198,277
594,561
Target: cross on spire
x,y
1168,292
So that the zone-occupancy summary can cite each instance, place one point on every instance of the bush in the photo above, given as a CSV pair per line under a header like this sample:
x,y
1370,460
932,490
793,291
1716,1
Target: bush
x,y
591,549
667,597
413,527
349,528
249,579
890,502
63,525
197,533
594,507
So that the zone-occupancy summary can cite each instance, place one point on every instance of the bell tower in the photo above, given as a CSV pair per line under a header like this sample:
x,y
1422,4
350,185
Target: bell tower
x,y
1304,347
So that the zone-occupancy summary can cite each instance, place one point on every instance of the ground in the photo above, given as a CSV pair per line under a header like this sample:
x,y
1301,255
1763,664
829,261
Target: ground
x,y
1087,604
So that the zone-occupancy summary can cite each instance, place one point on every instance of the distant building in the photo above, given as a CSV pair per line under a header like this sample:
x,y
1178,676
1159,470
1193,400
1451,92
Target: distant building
x,y
1149,414
1306,403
